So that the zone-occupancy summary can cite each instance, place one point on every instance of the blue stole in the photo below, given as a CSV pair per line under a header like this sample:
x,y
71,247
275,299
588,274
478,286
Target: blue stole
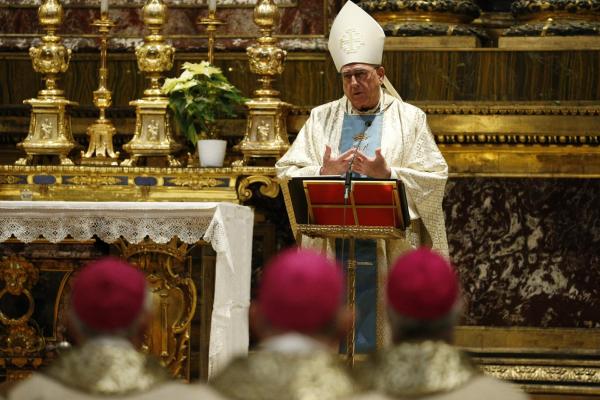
x,y
368,126
366,250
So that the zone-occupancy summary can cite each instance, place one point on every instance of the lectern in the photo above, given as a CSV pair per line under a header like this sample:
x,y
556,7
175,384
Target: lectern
x,y
375,209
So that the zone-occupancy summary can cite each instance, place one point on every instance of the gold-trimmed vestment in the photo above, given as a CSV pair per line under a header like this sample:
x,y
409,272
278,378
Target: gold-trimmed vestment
x,y
289,367
429,370
407,145
106,368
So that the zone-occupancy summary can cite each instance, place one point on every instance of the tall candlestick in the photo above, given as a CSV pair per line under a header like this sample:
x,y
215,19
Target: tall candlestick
x,y
211,23
212,5
103,7
100,150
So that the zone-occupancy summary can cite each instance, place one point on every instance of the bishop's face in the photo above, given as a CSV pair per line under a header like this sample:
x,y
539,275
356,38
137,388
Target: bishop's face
x,y
362,84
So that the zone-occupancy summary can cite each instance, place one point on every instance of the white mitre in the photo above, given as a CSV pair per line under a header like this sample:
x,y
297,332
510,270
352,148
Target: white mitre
x,y
355,37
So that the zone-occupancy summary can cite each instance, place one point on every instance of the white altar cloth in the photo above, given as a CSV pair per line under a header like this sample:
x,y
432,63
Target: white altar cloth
x,y
227,227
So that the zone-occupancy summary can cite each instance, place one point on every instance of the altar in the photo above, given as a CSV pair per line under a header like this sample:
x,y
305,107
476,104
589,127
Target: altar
x,y
158,238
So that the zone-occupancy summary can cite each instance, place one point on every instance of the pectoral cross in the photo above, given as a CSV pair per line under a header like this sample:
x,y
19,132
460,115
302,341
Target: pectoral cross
x,y
360,137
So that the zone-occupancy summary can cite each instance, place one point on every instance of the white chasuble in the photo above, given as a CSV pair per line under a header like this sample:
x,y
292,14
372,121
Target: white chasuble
x,y
407,145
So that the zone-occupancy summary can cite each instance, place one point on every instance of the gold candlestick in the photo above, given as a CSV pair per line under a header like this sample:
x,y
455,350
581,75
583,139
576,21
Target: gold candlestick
x,y
211,27
153,138
266,133
50,126
102,131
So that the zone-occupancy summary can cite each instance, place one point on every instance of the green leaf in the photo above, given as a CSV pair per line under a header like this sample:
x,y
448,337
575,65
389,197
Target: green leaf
x,y
191,134
200,95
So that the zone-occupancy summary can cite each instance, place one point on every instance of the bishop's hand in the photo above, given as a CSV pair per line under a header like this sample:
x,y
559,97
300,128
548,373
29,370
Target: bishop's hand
x,y
373,167
336,165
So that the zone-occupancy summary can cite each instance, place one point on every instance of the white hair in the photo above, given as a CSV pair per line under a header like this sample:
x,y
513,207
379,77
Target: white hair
x,y
409,328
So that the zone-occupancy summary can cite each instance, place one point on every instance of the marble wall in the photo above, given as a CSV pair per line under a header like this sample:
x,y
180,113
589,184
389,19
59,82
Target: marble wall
x,y
528,250
302,24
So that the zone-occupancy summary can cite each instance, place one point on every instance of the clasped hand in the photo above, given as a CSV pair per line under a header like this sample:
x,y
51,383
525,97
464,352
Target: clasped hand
x,y
374,167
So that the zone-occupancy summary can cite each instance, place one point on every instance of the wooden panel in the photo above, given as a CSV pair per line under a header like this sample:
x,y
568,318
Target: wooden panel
x,y
493,75
524,338
310,79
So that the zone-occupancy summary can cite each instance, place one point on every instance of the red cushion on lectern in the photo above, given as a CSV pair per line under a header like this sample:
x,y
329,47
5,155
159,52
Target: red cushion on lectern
x,y
379,194
326,193
333,216
377,217
374,203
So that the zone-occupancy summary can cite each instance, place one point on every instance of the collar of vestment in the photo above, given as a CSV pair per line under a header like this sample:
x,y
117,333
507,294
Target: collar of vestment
x,y
273,375
417,369
385,100
107,366
292,343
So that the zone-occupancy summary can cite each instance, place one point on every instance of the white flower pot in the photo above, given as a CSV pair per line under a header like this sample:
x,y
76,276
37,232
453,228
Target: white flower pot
x,y
211,152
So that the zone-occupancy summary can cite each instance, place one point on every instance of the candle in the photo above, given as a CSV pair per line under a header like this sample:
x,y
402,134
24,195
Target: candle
x,y
212,5
103,7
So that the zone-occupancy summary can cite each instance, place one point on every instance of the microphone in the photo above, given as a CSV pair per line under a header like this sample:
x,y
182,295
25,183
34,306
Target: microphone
x,y
348,180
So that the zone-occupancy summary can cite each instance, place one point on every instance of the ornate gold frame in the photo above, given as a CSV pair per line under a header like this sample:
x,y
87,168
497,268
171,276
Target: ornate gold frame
x,y
550,361
94,183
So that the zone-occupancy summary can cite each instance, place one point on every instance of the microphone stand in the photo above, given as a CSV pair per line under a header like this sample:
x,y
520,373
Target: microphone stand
x,y
351,267
348,181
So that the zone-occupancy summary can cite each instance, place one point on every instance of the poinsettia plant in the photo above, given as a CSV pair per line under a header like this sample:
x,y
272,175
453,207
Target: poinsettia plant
x,y
198,96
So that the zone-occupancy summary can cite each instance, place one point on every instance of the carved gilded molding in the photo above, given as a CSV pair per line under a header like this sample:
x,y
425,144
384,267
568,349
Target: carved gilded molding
x,y
287,199
509,139
555,18
196,182
567,108
358,232
101,183
436,10
541,9
22,338
512,108
548,373
522,161
94,180
269,187
424,18
98,183
540,360
168,272
530,124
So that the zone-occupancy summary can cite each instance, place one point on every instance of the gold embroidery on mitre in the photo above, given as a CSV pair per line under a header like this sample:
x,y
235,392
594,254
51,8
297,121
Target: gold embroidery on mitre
x,y
351,41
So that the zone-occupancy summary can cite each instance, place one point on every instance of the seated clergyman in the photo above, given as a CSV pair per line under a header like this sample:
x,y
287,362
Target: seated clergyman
x,y
424,302
109,312
296,315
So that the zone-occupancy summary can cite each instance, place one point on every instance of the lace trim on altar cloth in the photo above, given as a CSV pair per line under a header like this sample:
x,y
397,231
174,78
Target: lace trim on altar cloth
x,y
133,229
109,221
